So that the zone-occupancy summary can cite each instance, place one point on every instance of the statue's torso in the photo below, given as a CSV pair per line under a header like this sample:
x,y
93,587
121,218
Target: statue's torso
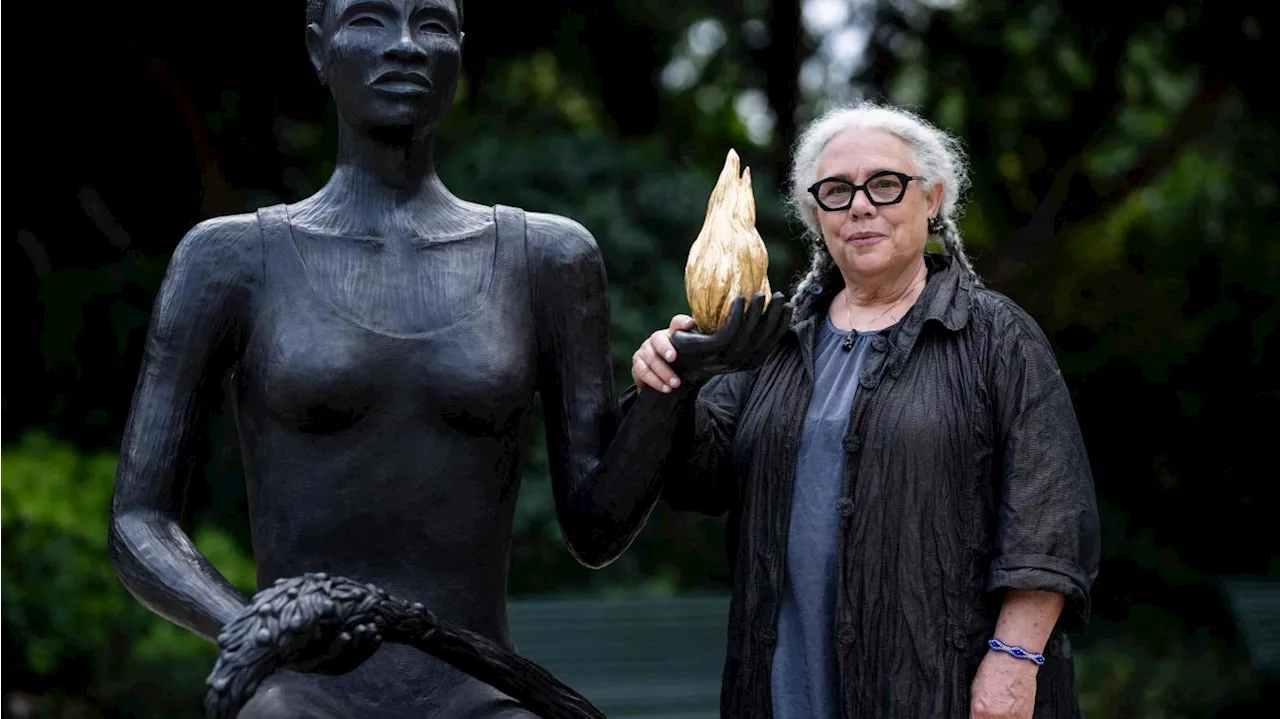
x,y
380,400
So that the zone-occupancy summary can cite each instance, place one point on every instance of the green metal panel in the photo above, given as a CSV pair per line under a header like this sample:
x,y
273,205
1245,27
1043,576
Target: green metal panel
x,y
634,658
1255,604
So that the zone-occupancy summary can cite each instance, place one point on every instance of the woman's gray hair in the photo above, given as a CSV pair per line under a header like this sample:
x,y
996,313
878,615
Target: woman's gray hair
x,y
938,157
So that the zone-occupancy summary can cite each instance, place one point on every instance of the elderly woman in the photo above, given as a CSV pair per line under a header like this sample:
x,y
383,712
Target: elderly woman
x,y
912,515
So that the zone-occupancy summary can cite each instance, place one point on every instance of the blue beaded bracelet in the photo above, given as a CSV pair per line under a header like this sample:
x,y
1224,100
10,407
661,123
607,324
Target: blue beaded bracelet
x,y
1018,652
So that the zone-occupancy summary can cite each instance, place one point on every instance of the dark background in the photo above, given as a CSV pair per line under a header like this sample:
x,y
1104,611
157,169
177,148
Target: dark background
x,y
1125,190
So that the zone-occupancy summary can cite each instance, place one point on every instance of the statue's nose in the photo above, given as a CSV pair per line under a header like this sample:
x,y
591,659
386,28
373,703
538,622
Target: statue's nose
x,y
406,47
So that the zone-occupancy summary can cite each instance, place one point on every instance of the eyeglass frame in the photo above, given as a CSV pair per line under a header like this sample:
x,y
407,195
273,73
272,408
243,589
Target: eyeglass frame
x,y
904,177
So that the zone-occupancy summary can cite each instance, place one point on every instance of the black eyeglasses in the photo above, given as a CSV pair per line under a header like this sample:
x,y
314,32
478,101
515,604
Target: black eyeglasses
x,y
883,188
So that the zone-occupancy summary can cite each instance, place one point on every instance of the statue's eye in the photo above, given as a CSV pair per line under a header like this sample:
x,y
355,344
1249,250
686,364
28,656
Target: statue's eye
x,y
366,21
433,26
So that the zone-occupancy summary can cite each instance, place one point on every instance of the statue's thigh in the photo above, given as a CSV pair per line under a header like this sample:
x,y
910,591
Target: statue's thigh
x,y
281,696
473,699
289,700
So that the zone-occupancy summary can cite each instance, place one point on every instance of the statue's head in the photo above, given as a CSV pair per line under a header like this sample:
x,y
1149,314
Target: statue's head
x,y
387,63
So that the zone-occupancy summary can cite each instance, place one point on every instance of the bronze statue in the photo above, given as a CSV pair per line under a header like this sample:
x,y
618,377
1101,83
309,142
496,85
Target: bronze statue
x,y
381,342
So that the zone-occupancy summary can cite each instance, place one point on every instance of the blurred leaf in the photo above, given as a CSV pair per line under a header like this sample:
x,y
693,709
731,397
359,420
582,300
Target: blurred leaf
x,y
65,609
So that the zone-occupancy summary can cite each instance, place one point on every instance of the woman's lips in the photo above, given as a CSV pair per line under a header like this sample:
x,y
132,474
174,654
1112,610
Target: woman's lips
x,y
861,239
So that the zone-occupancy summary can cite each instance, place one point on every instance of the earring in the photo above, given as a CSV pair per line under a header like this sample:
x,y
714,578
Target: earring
x,y
935,225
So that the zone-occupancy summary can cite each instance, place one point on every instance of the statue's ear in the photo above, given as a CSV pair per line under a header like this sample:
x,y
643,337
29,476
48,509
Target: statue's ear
x,y
315,50
462,40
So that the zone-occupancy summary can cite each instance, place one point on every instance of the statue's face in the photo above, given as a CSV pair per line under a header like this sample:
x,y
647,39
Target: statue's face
x,y
389,63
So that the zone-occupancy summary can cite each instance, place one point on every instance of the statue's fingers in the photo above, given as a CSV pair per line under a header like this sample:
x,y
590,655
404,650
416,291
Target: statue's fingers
x,y
744,335
772,324
721,338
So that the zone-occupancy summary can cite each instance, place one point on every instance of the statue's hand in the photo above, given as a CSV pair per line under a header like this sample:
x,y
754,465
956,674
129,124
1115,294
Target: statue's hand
x,y
312,623
319,623
676,355
745,340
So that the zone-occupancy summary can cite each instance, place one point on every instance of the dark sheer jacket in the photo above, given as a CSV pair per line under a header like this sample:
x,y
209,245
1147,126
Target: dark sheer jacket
x,y
966,476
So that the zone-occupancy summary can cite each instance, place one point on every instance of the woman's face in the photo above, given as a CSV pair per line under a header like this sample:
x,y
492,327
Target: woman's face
x,y
389,63
871,241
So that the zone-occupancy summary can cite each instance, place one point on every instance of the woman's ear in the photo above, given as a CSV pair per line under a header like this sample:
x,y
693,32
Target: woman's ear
x,y
934,198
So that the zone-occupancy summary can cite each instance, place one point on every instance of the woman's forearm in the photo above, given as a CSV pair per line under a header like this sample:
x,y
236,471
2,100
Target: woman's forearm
x,y
1027,618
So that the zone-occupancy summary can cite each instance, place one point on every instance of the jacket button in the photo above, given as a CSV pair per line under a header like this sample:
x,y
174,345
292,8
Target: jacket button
x,y
866,380
852,443
844,634
878,343
845,507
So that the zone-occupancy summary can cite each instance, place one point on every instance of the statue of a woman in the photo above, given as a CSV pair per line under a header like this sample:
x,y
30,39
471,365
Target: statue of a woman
x,y
382,341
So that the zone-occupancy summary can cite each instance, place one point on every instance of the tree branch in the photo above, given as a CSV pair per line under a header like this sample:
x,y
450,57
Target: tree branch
x,y
1194,121
1074,201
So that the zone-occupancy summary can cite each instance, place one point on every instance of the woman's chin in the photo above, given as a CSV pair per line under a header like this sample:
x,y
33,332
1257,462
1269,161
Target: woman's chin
x,y
866,259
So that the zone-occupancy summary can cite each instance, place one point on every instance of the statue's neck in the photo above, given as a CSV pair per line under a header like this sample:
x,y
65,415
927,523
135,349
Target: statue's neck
x,y
384,184
397,162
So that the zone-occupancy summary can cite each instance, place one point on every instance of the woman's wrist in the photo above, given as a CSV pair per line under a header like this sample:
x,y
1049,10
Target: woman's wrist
x,y
1015,651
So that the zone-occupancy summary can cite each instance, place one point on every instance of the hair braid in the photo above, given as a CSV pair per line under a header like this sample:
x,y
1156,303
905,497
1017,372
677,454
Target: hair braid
x,y
952,242
820,263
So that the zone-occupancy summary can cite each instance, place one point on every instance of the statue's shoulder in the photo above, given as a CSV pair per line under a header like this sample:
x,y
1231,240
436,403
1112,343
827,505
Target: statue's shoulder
x,y
230,228
229,246
560,240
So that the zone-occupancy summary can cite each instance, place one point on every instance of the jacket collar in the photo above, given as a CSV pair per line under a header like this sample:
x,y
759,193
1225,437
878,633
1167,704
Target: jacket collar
x,y
947,300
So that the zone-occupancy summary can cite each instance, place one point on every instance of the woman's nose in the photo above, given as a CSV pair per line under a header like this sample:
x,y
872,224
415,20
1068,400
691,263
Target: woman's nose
x,y
861,204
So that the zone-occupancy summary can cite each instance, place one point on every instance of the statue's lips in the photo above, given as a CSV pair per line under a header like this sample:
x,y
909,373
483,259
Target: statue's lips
x,y
402,83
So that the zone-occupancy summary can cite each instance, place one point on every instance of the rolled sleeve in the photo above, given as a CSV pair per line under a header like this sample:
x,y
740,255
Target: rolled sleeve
x,y
1049,574
1047,533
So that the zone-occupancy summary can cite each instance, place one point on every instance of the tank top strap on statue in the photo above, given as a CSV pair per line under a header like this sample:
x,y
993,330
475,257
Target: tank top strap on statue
x,y
512,242
513,264
273,224
510,221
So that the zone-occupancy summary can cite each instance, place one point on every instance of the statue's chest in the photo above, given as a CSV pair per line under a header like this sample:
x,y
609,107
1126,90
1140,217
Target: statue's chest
x,y
401,287
443,334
